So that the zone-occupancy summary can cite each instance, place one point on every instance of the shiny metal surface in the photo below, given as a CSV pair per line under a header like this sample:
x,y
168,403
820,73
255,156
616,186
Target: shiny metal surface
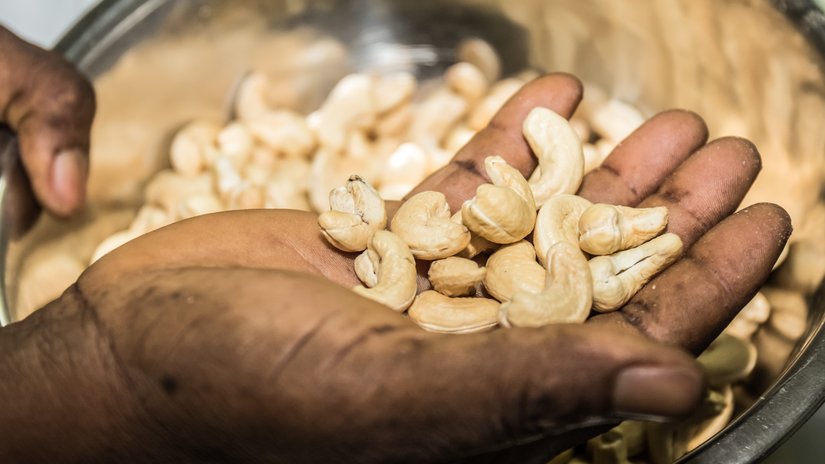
x,y
654,55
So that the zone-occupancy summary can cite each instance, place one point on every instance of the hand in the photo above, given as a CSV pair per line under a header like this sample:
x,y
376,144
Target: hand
x,y
50,106
234,337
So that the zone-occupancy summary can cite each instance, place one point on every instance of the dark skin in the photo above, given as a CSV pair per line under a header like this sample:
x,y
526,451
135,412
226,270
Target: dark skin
x,y
233,337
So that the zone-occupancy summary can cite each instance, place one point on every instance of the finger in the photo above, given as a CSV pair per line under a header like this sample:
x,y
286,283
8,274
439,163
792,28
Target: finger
x,y
707,187
50,106
639,164
503,136
531,384
690,303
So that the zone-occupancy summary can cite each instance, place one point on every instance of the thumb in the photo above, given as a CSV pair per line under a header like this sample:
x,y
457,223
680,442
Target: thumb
x,y
513,388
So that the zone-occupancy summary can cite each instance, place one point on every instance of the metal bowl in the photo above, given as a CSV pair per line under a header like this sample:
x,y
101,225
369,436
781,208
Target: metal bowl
x,y
743,65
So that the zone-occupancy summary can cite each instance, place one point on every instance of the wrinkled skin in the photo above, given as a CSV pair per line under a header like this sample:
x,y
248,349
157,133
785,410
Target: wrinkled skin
x,y
233,337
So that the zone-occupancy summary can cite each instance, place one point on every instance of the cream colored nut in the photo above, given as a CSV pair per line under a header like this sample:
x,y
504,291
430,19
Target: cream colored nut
x,y
566,297
593,157
365,267
789,316
150,218
477,243
435,312
606,229
403,169
455,276
257,174
293,171
459,136
615,120
395,271
804,269
435,116
251,96
582,128
167,188
467,80
112,242
705,430
357,212
284,132
393,90
199,204
609,447
559,152
558,221
500,92
235,141
188,152
423,222
750,318
617,277
324,176
233,190
727,360
504,211
395,123
263,156
481,54
438,158
285,195
350,105
513,269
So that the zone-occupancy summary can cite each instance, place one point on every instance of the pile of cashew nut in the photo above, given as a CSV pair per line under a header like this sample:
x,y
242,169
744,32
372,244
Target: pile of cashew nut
x,y
521,253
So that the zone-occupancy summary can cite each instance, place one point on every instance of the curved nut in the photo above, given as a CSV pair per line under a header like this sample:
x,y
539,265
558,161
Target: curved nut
x,y
393,90
727,359
455,276
558,221
703,431
477,245
251,96
566,297
284,132
481,54
435,115
423,222
503,212
606,229
167,188
357,211
615,120
395,271
435,312
559,151
365,267
513,269
236,142
350,105
192,146
403,169
467,80
617,277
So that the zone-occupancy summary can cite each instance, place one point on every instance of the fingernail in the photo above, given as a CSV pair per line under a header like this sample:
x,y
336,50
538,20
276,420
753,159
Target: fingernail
x,y
69,177
657,391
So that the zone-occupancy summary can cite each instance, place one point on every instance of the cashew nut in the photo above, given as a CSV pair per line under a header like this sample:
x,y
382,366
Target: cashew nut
x,y
284,132
435,116
365,267
168,188
727,359
235,141
566,297
617,277
192,146
396,281
703,431
559,152
558,221
349,106
481,54
615,120
435,312
513,269
199,204
467,80
750,318
403,169
606,229
504,211
393,90
423,222
455,276
356,213
236,192
251,96
458,137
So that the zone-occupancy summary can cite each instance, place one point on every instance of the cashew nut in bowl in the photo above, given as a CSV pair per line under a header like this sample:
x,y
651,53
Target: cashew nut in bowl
x,y
394,266
513,269
617,277
606,229
467,80
566,297
393,90
357,211
750,318
193,146
727,359
236,142
423,222
284,132
455,276
504,211
435,312
481,54
559,152
558,221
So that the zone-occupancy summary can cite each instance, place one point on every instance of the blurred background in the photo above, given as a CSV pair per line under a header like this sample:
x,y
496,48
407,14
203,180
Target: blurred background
x,y
44,21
